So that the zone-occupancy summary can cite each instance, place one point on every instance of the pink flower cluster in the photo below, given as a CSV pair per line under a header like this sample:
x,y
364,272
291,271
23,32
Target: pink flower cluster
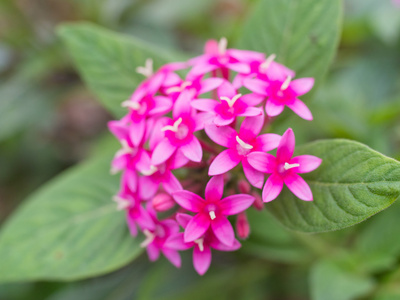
x,y
202,125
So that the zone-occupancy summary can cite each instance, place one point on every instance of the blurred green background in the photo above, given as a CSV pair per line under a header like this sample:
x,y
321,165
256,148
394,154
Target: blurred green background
x,y
49,120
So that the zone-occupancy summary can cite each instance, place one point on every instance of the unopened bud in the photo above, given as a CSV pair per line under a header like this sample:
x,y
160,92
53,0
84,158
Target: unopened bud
x,y
244,187
242,226
163,202
258,203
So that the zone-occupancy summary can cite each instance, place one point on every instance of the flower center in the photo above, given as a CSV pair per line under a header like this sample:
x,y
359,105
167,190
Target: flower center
x,y
200,243
149,238
211,208
180,88
151,171
173,128
288,166
121,202
131,104
147,70
286,83
243,148
231,101
265,65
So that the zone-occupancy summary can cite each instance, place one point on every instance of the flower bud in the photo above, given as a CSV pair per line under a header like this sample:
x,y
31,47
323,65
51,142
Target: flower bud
x,y
244,187
163,202
242,226
258,203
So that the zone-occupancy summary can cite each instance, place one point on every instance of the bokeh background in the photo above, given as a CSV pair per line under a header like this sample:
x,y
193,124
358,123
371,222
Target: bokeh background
x,y
49,120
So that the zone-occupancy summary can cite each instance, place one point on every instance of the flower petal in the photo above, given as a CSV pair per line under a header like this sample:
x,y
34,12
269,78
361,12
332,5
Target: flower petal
x,y
221,135
182,105
286,146
203,119
188,200
272,188
215,188
252,126
210,84
268,141
273,109
196,227
216,244
263,162
252,99
192,150
256,178
204,104
235,204
301,109
173,256
223,230
183,219
171,184
239,67
153,252
201,259
307,163
162,152
137,130
226,89
147,187
221,121
302,86
176,242
161,105
224,162
299,187
256,86
251,112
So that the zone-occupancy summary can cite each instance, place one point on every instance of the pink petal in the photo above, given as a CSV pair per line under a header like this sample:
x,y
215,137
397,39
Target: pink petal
x,y
183,219
246,55
131,179
256,178
235,204
215,188
172,184
307,163
154,82
286,146
223,230
192,150
221,135
173,256
182,105
137,131
222,247
224,162
143,161
188,200
153,252
203,119
201,69
131,225
211,47
161,105
157,134
201,259
162,152
252,99
301,109
221,121
252,126
302,86
272,188
144,219
256,86
119,162
276,72
263,162
176,242
178,160
118,128
268,141
204,104
196,227
210,84
251,112
273,109
147,187
226,89
299,187
239,67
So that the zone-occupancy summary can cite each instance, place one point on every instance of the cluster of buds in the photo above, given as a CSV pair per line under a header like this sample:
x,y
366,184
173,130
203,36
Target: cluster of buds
x,y
184,140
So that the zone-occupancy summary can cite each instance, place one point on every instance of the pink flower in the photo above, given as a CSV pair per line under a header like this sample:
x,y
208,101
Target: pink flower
x,y
201,246
230,106
283,169
212,211
240,145
281,91
179,132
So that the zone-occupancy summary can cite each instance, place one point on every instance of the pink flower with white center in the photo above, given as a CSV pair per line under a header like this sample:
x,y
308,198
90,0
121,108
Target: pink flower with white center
x,y
282,91
217,56
240,145
201,247
230,106
212,211
161,174
179,132
284,169
156,238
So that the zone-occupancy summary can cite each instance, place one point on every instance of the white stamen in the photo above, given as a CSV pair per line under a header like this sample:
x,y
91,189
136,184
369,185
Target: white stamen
x,y
285,85
232,101
131,104
151,171
289,166
174,127
149,238
223,43
268,62
121,202
243,144
212,215
147,70
180,88
126,149
200,243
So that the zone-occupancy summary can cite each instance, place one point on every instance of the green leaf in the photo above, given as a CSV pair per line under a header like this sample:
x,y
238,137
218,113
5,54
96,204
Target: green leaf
x,y
304,34
69,229
107,61
353,183
333,281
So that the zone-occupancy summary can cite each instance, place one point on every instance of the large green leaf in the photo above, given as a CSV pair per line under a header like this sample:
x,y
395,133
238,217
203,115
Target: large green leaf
x,y
107,61
353,183
69,229
303,34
